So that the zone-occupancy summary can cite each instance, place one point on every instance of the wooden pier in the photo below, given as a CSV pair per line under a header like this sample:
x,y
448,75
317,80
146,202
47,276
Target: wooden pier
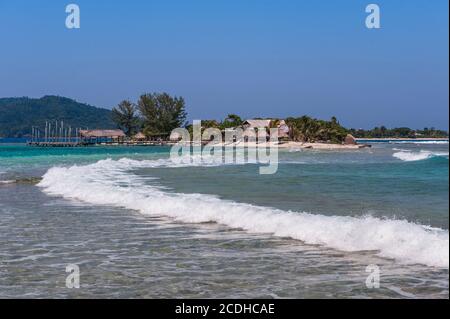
x,y
56,134
57,144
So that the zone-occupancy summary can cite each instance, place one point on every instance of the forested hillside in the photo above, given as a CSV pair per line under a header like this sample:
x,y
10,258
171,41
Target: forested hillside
x,y
18,115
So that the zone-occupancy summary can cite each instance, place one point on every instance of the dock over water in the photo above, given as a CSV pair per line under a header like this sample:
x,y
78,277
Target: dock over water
x,y
57,144
56,134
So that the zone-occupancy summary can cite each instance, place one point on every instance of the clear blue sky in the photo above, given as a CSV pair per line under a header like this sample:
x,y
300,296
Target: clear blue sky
x,y
250,57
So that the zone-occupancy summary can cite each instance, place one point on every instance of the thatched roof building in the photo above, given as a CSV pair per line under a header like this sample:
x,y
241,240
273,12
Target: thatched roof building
x,y
283,129
113,134
139,136
175,136
256,123
251,125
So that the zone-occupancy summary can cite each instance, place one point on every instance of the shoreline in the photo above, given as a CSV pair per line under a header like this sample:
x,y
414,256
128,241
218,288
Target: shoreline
x,y
401,139
292,145
307,145
283,145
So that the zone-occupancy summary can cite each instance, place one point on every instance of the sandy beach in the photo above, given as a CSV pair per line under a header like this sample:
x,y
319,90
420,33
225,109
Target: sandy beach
x,y
321,146
402,139
296,145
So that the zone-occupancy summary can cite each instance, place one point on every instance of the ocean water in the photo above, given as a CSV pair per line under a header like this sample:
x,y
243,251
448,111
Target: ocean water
x,y
141,226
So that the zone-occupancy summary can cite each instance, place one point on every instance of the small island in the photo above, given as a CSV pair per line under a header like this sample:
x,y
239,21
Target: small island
x,y
59,121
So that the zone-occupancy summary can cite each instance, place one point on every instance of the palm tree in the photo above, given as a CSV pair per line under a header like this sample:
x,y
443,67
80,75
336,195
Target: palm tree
x,y
232,120
307,129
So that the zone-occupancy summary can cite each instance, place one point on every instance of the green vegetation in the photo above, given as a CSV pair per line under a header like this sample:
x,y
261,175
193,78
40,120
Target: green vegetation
x,y
18,115
307,129
157,114
126,117
401,132
161,113
232,120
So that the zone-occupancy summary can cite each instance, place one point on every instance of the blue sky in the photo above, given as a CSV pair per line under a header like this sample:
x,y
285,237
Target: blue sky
x,y
250,57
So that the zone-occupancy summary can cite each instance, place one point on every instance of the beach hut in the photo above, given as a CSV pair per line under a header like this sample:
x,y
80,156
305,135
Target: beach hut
x,y
102,136
256,130
140,137
175,137
258,125
283,130
249,134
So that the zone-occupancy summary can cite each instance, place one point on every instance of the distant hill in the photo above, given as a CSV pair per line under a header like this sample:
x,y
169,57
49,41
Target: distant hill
x,y
18,115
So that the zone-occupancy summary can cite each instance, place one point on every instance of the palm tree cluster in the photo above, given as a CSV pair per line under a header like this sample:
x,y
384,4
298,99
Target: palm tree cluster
x,y
398,132
155,114
304,129
307,129
231,121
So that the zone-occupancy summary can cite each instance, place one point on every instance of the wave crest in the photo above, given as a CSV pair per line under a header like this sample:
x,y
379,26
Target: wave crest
x,y
109,182
409,156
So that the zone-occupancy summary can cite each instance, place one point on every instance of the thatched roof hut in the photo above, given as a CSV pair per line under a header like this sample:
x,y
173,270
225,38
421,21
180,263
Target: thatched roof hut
x,y
114,134
139,136
249,134
256,123
283,128
175,136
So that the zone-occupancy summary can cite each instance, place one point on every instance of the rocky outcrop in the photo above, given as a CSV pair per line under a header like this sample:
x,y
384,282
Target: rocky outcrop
x,y
350,140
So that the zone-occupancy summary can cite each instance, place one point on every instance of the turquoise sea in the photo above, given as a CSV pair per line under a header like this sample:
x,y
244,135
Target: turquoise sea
x,y
141,226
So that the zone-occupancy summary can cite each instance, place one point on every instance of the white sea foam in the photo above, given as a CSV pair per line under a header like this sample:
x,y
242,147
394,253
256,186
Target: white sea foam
x,y
111,182
7,182
409,156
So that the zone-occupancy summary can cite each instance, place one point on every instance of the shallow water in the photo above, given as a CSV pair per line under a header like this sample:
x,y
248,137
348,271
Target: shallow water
x,y
138,227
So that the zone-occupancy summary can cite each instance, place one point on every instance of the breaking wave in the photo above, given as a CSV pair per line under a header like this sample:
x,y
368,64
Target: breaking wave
x,y
409,156
109,182
7,182
22,180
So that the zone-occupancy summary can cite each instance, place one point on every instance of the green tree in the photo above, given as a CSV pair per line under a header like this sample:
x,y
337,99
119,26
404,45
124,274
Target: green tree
x,y
125,116
210,124
161,113
399,132
232,120
307,129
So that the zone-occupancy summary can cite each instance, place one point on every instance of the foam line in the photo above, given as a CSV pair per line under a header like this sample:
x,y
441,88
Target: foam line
x,y
109,182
